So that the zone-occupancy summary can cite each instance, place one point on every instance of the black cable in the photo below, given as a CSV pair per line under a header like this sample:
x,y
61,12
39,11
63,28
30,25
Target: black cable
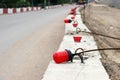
x,y
98,50
102,35
81,55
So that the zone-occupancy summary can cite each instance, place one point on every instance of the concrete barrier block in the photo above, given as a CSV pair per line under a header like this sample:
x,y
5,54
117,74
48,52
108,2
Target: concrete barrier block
x,y
34,8
14,10
39,8
10,10
5,10
1,11
24,9
21,10
27,8
18,10
91,70
47,7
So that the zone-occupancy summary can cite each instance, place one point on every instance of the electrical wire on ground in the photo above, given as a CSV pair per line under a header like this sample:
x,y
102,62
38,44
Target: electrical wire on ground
x,y
78,31
80,54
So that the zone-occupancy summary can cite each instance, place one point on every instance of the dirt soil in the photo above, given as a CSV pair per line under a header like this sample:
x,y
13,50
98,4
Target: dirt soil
x,y
103,19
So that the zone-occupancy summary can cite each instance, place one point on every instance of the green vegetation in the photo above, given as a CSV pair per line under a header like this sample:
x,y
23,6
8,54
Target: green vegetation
x,y
27,3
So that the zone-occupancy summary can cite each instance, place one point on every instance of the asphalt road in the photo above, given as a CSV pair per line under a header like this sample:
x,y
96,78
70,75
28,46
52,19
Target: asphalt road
x,y
15,27
27,41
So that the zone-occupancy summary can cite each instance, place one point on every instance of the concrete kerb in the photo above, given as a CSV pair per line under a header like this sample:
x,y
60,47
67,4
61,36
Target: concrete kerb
x,y
25,9
51,7
76,71
91,70
69,26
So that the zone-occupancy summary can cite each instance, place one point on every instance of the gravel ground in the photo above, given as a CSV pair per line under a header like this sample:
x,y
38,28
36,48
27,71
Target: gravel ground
x,y
103,19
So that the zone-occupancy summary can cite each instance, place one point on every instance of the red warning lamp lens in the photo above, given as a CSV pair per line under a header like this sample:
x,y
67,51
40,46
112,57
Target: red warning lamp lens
x,y
62,56
75,24
72,17
77,38
71,12
67,21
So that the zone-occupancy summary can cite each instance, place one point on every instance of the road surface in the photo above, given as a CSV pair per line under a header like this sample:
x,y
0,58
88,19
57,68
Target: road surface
x,y
27,41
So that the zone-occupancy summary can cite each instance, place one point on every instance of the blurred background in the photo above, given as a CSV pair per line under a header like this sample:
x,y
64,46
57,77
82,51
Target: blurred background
x,y
113,3
29,3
